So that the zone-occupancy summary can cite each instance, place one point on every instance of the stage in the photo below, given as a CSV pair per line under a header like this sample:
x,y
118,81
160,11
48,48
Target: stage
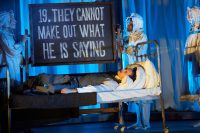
x,y
177,122
107,127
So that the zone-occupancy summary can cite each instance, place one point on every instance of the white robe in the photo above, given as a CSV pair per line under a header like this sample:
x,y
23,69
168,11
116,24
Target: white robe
x,y
132,43
11,53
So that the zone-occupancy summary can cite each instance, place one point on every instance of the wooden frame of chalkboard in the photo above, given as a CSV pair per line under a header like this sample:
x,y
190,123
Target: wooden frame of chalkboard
x,y
72,33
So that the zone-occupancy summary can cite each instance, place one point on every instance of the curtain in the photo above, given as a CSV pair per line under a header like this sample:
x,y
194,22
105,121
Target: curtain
x,y
166,22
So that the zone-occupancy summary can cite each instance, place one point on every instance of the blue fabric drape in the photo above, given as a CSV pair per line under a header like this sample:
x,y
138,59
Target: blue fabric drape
x,y
166,22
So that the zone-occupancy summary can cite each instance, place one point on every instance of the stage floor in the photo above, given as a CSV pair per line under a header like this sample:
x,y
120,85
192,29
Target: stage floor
x,y
183,126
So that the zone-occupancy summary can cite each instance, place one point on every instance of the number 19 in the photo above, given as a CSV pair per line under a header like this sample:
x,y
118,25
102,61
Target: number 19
x,y
43,15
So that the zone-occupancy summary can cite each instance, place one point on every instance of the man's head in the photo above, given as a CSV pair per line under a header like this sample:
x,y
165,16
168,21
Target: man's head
x,y
127,72
134,22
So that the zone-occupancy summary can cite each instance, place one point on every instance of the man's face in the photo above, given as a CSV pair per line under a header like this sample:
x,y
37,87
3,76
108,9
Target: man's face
x,y
124,72
130,26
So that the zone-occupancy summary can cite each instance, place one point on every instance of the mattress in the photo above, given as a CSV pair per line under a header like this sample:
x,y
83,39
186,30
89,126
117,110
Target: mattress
x,y
128,95
52,101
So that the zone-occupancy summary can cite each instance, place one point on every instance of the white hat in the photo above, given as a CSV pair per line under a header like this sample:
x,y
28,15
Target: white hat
x,y
137,21
193,14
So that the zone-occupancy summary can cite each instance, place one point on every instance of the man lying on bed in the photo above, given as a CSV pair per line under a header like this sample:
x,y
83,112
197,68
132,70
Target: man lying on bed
x,y
46,83
123,80
135,76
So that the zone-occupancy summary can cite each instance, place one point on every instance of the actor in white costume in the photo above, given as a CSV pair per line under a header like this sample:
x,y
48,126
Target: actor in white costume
x,y
10,51
193,40
192,50
136,34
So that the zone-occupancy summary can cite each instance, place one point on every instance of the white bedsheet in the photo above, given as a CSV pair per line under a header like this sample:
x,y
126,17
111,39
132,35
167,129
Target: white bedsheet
x,y
110,91
109,95
127,95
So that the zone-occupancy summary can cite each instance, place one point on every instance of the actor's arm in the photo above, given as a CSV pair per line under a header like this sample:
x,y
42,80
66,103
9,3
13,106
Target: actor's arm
x,y
9,47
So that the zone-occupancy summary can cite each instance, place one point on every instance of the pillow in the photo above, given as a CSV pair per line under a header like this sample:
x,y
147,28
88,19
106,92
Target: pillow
x,y
152,77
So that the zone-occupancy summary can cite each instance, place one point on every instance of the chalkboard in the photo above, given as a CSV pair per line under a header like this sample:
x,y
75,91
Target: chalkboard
x,y
71,33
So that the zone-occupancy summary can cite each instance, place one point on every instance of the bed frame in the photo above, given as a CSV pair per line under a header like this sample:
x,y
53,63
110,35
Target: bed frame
x,y
156,55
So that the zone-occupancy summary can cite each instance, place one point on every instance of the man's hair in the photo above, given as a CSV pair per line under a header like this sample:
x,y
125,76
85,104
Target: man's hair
x,y
133,76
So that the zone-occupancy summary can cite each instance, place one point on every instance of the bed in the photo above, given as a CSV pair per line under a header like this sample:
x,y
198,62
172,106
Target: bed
x,y
53,102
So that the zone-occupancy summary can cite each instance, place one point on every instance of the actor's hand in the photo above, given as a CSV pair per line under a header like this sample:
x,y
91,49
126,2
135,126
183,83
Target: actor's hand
x,y
67,91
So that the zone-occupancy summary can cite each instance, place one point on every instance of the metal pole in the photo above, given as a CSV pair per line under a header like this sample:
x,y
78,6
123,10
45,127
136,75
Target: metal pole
x,y
121,120
7,101
26,56
165,129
